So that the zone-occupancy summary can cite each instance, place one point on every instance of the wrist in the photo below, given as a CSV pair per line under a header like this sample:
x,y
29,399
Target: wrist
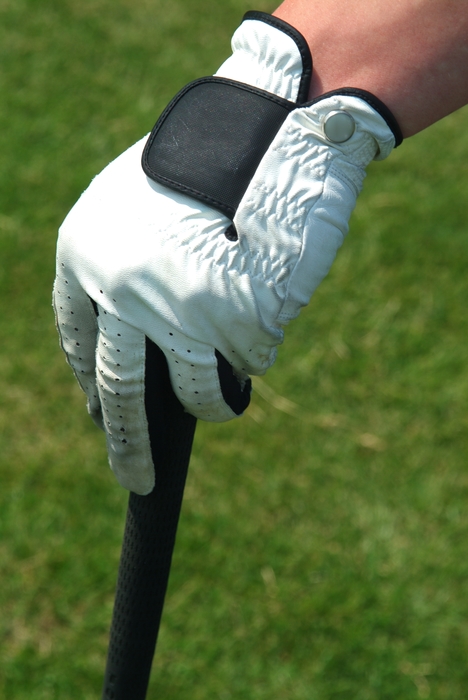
x,y
411,55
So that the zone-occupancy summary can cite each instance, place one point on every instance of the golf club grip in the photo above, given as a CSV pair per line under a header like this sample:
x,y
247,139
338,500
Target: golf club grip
x,y
149,539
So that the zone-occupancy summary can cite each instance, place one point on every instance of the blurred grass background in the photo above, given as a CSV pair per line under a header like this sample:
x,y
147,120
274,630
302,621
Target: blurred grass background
x,y
322,552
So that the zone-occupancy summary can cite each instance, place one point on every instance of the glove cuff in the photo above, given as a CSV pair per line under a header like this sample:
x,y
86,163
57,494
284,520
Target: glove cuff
x,y
374,102
210,140
271,55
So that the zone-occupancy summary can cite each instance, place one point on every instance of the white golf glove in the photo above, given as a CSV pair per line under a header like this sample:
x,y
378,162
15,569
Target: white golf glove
x,y
213,246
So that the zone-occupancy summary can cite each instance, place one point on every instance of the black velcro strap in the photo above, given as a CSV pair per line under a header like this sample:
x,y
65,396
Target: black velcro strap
x,y
211,138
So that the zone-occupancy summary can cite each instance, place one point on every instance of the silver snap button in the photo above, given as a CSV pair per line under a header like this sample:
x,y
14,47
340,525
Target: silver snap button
x,y
338,126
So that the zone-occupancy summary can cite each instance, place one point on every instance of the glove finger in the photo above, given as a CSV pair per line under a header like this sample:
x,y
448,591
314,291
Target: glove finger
x,y
77,326
204,381
120,370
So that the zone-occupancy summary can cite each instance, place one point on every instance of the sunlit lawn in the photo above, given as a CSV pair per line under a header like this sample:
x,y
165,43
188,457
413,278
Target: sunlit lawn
x,y
322,551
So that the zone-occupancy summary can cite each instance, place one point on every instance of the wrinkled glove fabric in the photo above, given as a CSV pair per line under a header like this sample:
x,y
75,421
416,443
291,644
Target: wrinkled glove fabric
x,y
207,237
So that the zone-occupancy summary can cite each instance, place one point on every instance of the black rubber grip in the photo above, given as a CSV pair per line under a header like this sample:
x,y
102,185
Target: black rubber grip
x,y
149,539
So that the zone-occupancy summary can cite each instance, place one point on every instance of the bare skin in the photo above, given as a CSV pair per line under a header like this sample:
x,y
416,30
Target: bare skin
x,y
412,54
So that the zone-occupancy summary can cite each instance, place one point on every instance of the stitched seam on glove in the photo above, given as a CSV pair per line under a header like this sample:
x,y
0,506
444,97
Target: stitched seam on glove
x,y
344,177
332,170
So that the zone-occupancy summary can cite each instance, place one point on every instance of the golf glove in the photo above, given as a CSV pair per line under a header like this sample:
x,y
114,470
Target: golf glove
x,y
209,236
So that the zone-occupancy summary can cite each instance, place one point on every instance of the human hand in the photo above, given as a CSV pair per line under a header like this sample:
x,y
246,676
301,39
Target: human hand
x,y
211,251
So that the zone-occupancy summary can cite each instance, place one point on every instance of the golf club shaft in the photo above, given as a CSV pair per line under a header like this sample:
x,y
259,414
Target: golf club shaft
x,y
149,538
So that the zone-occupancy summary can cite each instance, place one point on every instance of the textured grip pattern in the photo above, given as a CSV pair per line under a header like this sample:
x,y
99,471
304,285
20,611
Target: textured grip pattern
x,y
149,539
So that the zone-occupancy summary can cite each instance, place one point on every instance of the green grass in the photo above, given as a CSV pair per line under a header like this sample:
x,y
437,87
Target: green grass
x,y
322,549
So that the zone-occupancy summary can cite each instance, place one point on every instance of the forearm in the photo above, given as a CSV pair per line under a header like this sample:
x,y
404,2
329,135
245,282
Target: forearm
x,y
412,54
